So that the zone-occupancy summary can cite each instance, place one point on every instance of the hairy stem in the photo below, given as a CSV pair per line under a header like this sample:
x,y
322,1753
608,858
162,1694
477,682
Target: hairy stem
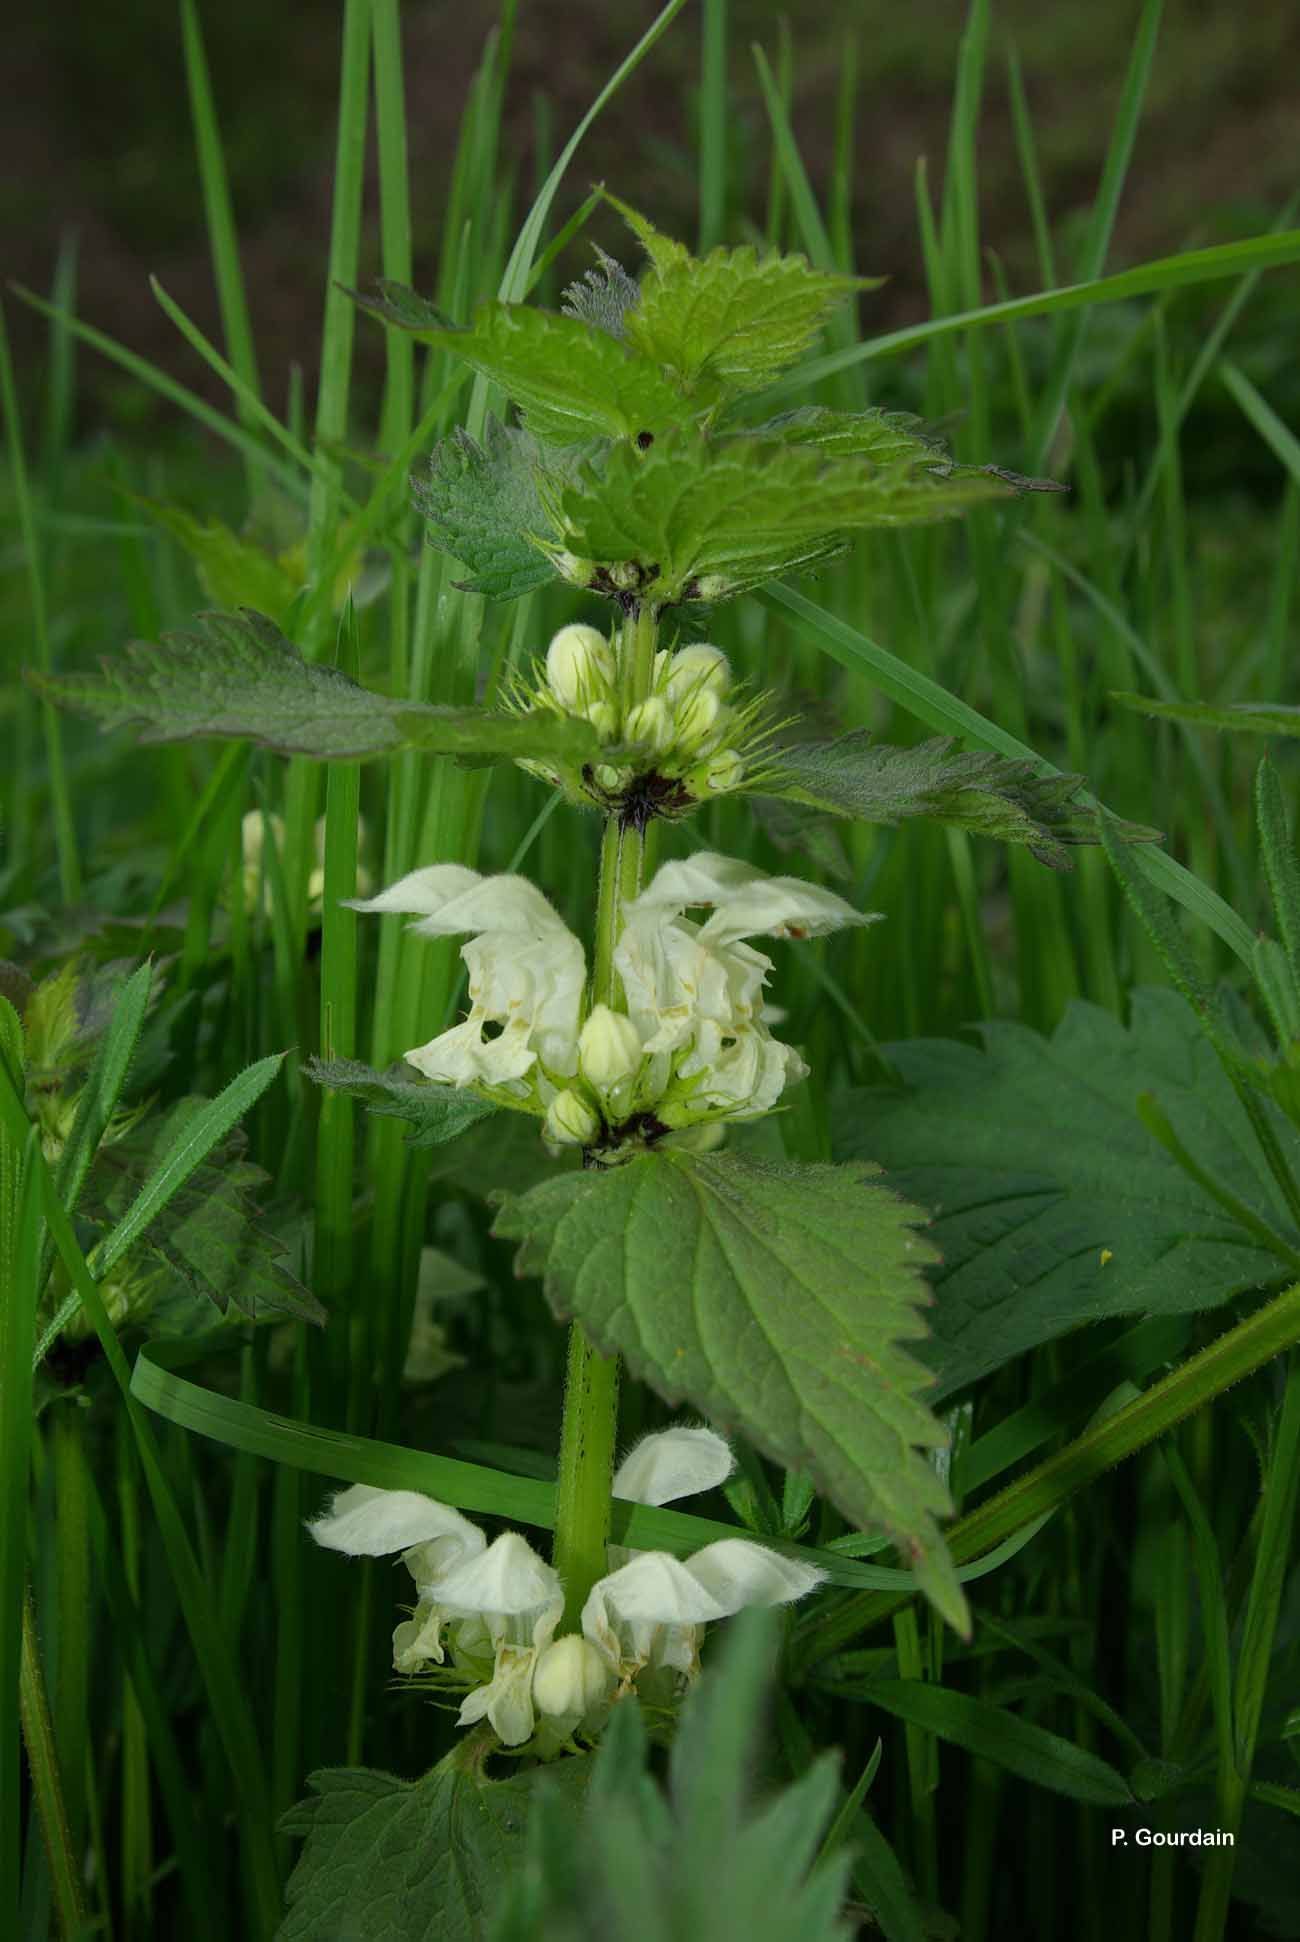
x,y
589,1430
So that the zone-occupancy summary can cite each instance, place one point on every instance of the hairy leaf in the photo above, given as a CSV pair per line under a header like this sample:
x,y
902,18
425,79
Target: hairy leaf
x,y
707,1861
436,1113
773,1298
235,675
572,381
1053,1204
602,296
390,1860
733,319
481,504
705,519
1244,717
887,438
984,793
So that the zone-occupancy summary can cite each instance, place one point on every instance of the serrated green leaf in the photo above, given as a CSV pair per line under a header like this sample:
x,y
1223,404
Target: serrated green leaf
x,y
885,437
390,1860
1243,717
731,320
571,380
481,504
773,1298
1054,1205
236,676
708,518
992,1733
234,572
435,1113
976,791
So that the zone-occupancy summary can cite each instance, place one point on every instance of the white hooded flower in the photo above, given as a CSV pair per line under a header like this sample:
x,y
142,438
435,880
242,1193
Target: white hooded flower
x,y
527,972
518,1598
696,989
434,1540
700,669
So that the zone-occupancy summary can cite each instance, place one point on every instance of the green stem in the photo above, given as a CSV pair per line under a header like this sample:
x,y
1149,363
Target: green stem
x,y
590,1427
1238,1352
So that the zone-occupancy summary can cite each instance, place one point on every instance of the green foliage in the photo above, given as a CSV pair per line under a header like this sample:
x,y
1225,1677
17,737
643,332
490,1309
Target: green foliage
x,y
775,1299
481,505
1241,717
435,1113
235,675
733,321
976,791
206,1230
571,381
602,296
994,1733
389,1860
233,571
1056,1206
705,519
703,1863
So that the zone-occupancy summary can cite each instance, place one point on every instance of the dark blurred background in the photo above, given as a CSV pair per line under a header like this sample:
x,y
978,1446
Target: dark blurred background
x,y
96,139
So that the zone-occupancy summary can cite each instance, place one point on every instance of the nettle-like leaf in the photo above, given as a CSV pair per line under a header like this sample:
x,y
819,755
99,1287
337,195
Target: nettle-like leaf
x,y
390,1860
209,1234
482,506
602,296
236,676
707,1861
984,793
1053,1204
733,319
572,380
435,1113
695,518
773,1298
887,438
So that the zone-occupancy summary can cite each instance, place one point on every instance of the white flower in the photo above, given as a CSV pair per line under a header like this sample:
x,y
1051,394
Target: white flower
x,y
519,1599
499,1604
695,719
579,668
527,972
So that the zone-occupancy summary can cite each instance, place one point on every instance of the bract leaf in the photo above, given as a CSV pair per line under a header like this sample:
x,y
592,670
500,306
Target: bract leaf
x,y
977,791
236,676
703,519
1054,1204
773,1298
1242,717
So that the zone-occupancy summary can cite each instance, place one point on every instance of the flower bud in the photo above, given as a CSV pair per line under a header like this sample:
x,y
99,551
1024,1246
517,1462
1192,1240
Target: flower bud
x,y
651,723
579,665
609,777
603,717
694,718
609,1048
722,771
571,1678
578,572
697,668
570,1121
